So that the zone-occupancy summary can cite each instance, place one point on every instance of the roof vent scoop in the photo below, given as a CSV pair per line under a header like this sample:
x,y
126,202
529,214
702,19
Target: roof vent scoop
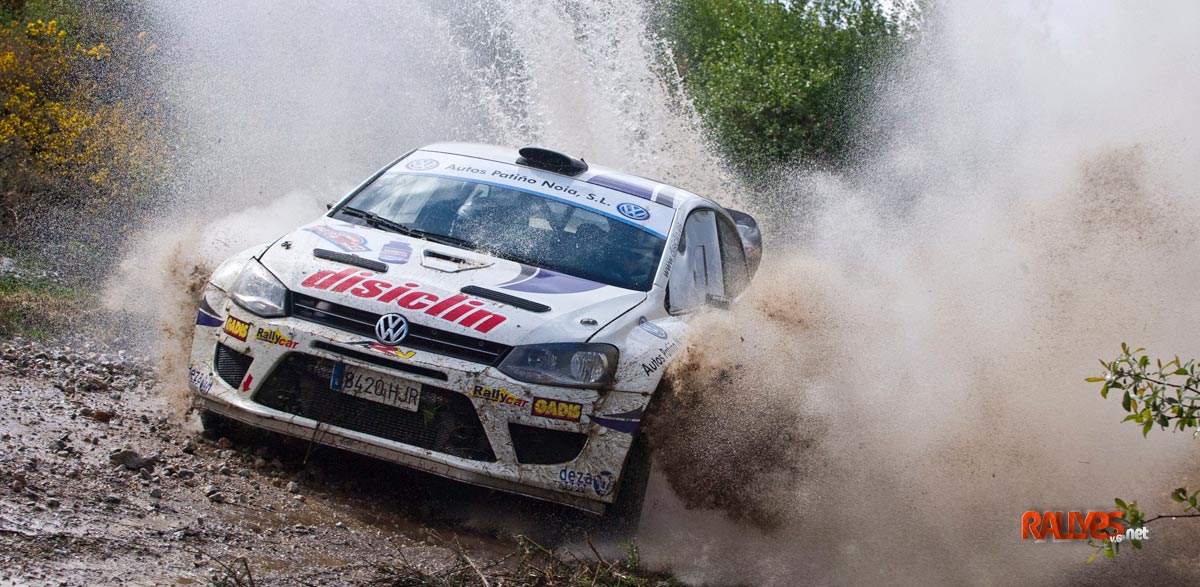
x,y
553,161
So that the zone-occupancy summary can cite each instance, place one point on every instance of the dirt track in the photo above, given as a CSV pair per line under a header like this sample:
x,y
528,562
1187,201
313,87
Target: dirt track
x,y
99,486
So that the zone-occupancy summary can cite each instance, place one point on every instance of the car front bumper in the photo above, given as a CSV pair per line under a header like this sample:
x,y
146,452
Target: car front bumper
x,y
270,374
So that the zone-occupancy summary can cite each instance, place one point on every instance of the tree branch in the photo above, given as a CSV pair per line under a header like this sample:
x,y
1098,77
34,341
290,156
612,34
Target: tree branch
x,y
1160,516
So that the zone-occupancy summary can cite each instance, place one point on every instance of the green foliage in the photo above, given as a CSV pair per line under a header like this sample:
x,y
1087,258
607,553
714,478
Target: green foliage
x,y
779,80
81,130
1166,395
1155,394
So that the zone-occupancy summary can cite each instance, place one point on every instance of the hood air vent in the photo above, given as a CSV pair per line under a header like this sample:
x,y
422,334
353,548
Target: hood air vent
x,y
503,298
349,259
552,161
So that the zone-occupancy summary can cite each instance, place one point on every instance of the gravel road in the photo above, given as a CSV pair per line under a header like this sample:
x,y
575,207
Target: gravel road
x,y
100,484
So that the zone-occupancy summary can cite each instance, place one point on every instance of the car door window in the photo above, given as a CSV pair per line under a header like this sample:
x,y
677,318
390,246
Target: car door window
x,y
697,273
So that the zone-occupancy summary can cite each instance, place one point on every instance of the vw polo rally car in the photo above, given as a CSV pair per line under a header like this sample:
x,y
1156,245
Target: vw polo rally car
x,y
498,317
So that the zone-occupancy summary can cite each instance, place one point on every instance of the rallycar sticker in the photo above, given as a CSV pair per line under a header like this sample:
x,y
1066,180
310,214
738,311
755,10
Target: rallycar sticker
x,y
344,240
274,337
557,409
544,281
653,217
498,395
236,328
581,481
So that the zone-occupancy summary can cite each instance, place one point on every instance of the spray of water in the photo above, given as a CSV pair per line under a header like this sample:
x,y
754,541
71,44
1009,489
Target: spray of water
x,y
1029,212
905,377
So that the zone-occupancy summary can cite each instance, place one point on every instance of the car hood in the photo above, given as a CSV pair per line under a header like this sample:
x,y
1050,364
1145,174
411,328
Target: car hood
x,y
424,282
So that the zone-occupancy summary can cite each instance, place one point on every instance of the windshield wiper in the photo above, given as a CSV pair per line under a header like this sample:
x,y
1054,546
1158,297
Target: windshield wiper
x,y
377,221
447,240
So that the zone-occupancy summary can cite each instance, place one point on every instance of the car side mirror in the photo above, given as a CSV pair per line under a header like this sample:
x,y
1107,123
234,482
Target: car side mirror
x,y
717,301
747,228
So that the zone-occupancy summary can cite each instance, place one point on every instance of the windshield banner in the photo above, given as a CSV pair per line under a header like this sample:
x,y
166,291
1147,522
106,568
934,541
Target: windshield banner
x,y
650,216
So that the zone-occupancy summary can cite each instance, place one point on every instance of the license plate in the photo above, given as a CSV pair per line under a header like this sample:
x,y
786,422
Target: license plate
x,y
375,386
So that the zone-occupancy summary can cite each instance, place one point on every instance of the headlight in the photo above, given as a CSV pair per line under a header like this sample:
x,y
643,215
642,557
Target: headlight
x,y
565,364
226,273
259,292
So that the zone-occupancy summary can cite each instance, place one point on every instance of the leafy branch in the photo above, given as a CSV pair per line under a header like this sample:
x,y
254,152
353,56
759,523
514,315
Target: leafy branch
x,y
1153,393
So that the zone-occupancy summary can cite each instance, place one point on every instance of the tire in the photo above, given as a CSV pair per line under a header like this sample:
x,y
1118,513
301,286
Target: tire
x,y
623,516
215,425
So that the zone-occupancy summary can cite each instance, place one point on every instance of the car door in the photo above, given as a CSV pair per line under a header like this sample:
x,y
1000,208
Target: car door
x,y
710,267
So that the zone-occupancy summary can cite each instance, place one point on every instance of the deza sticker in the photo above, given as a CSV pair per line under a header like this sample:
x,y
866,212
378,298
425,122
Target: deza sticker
x,y
580,481
200,382
650,216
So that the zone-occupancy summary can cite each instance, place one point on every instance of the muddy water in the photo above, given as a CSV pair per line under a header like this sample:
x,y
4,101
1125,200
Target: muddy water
x,y
906,375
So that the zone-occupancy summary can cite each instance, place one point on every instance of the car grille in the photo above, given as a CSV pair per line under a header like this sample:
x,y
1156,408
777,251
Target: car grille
x,y
542,446
445,421
231,365
374,359
421,338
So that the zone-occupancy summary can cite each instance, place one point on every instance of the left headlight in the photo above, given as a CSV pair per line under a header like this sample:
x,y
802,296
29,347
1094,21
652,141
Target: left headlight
x,y
258,291
565,364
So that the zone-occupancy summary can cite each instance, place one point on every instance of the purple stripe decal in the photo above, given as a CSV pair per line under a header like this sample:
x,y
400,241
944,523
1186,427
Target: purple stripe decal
x,y
626,426
524,275
542,281
205,320
634,186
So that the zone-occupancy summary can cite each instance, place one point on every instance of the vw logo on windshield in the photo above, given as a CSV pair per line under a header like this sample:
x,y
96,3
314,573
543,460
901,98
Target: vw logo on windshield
x,y
391,329
633,211
422,164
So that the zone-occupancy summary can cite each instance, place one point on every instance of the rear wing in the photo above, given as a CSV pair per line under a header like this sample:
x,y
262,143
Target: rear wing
x,y
747,227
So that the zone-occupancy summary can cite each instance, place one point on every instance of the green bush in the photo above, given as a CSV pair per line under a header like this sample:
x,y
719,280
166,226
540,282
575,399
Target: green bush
x,y
775,81
80,128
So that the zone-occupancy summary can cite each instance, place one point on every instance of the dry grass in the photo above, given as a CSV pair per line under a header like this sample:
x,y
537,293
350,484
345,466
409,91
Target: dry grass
x,y
37,307
529,565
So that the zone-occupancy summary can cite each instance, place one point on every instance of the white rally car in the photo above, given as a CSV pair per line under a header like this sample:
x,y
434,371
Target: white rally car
x,y
493,316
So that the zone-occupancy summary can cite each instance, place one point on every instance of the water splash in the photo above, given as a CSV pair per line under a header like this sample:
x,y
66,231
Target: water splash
x,y
931,314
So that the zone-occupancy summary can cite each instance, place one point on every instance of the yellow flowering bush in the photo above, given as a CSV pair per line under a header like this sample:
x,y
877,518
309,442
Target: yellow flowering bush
x,y
67,136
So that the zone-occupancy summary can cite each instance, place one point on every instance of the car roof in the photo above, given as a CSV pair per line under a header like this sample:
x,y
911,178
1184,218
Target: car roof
x,y
655,191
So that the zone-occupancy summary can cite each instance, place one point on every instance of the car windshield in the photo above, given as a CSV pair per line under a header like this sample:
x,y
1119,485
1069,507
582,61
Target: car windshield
x,y
511,224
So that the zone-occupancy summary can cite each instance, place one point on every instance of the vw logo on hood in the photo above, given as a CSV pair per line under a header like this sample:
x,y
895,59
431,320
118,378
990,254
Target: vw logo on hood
x,y
391,329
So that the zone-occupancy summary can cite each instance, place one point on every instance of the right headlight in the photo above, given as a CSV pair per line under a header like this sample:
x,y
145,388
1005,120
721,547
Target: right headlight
x,y
589,365
260,292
